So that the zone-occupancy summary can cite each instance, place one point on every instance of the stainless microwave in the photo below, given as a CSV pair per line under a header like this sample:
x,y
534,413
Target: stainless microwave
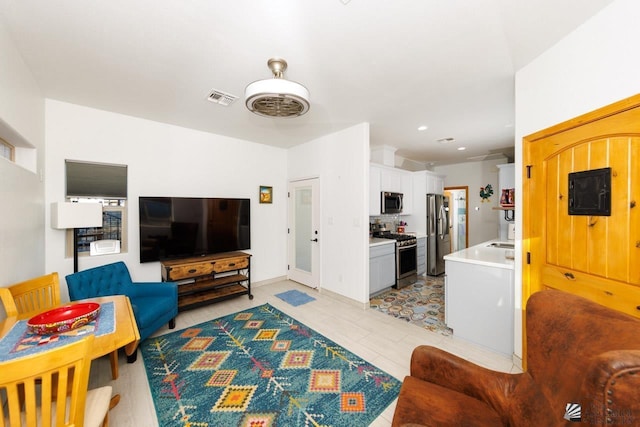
x,y
390,203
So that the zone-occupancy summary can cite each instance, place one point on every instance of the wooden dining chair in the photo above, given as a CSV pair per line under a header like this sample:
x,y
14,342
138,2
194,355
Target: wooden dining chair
x,y
31,297
9,305
31,383
34,296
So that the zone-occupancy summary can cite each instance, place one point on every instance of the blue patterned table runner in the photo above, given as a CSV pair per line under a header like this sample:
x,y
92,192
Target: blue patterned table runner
x,y
19,342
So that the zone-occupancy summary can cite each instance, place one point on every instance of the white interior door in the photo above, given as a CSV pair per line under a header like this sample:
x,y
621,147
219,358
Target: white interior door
x,y
304,232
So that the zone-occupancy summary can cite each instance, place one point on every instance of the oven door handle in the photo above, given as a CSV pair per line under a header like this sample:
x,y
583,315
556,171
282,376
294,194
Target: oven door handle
x,y
407,247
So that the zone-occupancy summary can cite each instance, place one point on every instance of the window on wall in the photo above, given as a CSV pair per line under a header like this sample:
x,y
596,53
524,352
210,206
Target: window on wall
x,y
103,183
114,220
7,150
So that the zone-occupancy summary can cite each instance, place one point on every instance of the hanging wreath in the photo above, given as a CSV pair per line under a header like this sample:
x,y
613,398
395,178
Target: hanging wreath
x,y
486,192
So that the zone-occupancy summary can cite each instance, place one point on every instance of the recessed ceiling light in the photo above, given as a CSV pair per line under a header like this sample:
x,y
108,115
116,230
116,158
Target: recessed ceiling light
x,y
462,148
423,127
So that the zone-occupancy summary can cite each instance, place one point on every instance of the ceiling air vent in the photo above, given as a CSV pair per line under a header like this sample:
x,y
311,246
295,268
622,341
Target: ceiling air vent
x,y
222,98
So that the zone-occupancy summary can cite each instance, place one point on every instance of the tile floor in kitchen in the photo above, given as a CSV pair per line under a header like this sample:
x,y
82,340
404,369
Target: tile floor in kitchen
x,y
382,340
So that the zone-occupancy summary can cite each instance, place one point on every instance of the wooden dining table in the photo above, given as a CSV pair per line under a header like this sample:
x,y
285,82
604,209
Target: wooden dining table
x,y
124,334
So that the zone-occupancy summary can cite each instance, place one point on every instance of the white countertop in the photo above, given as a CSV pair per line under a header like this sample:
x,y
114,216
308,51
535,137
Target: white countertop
x,y
376,241
483,255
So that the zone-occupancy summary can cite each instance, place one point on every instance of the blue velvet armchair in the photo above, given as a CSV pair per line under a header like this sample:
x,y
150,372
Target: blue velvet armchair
x,y
153,303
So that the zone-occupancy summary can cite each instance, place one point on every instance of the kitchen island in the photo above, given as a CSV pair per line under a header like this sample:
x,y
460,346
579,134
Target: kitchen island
x,y
479,295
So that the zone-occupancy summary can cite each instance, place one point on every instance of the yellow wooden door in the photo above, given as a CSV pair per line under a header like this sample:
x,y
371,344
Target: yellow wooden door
x,y
597,257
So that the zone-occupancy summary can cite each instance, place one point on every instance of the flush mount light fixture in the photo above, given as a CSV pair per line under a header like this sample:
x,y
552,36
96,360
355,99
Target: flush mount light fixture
x,y
462,148
423,127
277,97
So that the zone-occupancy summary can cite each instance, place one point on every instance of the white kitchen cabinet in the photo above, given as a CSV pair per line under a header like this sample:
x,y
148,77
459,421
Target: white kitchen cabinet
x,y
440,185
422,255
435,184
422,182
382,266
479,298
407,190
385,178
391,180
374,190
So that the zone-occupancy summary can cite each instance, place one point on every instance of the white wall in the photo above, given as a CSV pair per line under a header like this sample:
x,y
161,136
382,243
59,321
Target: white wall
x,y
22,244
483,220
341,161
594,66
165,160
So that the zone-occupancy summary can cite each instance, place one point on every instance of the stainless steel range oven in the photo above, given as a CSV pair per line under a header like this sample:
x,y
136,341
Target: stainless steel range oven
x,y
406,258
406,255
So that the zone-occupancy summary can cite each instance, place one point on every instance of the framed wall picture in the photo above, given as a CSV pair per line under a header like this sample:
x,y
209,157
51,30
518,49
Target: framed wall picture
x,y
266,194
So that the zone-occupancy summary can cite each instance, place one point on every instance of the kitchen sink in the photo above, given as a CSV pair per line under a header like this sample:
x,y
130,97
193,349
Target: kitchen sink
x,y
501,245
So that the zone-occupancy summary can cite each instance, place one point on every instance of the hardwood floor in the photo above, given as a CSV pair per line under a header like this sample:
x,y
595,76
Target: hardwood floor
x,y
380,339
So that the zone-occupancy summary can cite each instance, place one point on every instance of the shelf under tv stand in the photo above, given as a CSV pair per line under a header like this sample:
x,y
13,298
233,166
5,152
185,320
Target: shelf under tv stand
x,y
208,279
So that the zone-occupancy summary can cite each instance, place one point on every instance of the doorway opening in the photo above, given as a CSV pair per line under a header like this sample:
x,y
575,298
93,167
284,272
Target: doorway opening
x,y
304,230
458,217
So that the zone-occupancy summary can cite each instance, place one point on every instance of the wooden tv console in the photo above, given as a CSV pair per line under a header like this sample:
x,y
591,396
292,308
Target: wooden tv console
x,y
208,279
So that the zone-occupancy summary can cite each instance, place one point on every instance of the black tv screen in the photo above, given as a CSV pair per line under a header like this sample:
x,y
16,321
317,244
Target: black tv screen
x,y
180,227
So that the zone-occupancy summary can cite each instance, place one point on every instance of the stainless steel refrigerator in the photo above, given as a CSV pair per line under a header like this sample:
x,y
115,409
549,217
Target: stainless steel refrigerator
x,y
438,238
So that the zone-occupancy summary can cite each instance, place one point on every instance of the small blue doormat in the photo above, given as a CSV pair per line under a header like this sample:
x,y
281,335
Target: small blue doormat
x,y
295,297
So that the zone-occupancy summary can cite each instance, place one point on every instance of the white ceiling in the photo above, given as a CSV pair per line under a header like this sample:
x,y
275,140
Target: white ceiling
x,y
447,64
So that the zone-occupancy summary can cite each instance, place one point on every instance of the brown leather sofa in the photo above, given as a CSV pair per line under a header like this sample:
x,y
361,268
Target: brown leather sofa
x,y
583,360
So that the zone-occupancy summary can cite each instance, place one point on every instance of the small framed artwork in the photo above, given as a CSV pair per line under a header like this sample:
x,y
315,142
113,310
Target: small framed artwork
x,y
266,194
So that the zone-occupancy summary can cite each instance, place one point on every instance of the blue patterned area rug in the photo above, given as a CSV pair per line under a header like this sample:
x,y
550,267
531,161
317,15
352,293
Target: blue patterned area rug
x,y
261,367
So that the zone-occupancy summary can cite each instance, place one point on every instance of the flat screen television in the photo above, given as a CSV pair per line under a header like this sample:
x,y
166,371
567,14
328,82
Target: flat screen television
x,y
181,227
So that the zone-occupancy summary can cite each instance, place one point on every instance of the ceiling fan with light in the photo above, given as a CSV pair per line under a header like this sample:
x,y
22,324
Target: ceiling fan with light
x,y
277,97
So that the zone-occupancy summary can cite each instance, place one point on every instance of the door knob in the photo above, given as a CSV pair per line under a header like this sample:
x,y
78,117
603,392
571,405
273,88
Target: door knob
x,y
314,240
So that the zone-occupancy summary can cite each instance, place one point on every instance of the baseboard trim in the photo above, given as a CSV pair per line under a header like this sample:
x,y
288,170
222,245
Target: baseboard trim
x,y
344,299
268,281
326,292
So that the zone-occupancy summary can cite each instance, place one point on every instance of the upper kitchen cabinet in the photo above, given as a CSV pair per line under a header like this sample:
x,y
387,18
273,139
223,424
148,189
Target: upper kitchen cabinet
x,y
407,190
423,182
427,182
385,178
391,180
435,183
374,190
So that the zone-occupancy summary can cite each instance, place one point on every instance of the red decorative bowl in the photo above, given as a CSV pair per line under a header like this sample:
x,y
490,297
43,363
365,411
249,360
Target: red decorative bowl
x,y
63,319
